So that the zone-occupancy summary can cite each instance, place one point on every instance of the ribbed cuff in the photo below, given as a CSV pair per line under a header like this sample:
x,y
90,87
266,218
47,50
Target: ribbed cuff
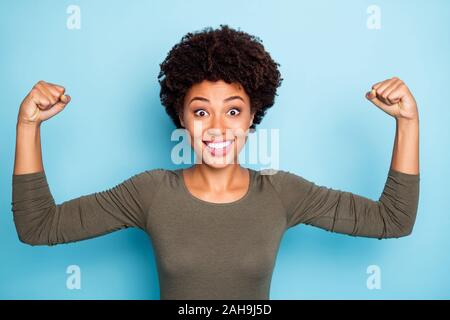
x,y
27,177
404,176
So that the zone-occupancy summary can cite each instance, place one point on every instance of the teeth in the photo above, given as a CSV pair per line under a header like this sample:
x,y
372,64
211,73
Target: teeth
x,y
219,145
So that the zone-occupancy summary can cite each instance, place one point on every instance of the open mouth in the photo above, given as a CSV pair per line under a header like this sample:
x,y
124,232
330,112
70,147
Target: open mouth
x,y
218,148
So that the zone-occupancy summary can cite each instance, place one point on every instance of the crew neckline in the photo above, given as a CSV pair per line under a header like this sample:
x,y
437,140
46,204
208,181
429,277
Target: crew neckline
x,y
219,204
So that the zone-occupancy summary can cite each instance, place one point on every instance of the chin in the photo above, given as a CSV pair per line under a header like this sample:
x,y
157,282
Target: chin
x,y
217,164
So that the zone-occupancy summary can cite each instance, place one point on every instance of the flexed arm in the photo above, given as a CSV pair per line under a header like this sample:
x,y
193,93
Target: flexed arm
x,y
393,215
38,219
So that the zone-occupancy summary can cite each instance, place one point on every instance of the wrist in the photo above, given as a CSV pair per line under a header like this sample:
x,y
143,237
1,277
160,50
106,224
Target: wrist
x,y
406,123
26,124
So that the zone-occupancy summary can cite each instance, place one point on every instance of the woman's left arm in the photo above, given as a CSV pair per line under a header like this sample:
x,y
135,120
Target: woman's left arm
x,y
393,214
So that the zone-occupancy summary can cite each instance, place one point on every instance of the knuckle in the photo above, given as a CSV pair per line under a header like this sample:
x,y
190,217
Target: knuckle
x,y
55,94
34,92
402,86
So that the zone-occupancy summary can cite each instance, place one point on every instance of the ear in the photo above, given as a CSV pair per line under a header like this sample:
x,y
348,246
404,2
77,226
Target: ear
x,y
251,120
180,117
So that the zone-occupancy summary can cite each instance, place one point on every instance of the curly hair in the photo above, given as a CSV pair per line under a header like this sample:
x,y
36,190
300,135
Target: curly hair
x,y
219,54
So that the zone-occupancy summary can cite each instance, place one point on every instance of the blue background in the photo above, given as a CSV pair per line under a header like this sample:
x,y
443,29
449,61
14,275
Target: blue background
x,y
330,134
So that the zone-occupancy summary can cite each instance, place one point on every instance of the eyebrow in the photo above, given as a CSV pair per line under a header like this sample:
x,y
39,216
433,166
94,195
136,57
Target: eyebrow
x,y
226,100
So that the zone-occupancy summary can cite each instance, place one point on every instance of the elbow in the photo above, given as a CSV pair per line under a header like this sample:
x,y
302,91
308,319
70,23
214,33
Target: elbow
x,y
31,237
33,227
398,217
33,241
398,209
407,223
405,230
400,230
29,241
34,210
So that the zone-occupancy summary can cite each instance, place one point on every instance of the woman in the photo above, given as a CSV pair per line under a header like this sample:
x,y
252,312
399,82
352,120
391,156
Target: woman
x,y
215,226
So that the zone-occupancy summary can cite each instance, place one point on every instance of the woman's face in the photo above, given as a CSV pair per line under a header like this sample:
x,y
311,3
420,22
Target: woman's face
x,y
217,116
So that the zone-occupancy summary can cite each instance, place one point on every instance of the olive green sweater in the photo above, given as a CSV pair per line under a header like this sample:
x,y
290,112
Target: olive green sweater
x,y
208,250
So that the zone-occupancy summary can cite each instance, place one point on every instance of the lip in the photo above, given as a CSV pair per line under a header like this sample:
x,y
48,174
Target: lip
x,y
218,151
217,140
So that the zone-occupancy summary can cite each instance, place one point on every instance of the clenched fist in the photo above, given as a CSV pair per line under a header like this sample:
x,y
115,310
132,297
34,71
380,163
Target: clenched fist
x,y
393,97
42,102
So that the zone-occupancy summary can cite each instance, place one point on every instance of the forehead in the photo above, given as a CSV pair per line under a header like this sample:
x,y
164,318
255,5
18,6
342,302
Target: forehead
x,y
216,89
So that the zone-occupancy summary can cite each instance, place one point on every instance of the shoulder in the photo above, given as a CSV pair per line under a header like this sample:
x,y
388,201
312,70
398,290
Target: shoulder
x,y
148,178
160,176
156,173
274,177
281,179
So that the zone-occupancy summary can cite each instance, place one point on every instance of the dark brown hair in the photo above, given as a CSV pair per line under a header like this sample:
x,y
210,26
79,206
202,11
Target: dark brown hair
x,y
219,54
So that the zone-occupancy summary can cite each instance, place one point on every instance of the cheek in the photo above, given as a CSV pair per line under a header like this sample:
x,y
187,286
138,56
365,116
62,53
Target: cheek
x,y
194,125
241,126
195,130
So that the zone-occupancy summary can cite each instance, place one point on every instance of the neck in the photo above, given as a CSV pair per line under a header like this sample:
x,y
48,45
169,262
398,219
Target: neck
x,y
218,179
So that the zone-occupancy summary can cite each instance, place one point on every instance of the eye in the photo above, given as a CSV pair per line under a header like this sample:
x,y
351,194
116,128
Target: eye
x,y
200,112
234,111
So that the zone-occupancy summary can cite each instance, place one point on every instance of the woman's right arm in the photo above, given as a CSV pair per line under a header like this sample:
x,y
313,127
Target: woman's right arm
x,y
38,219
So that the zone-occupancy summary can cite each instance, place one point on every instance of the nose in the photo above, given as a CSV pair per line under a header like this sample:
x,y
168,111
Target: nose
x,y
217,126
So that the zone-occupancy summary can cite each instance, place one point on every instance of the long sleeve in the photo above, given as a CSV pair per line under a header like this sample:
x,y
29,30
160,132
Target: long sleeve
x,y
392,216
39,221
